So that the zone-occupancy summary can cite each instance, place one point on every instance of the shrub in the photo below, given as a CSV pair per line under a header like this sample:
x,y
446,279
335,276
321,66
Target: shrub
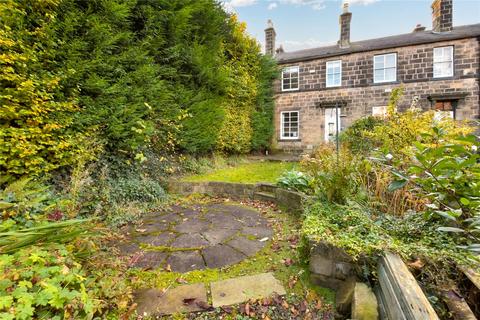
x,y
395,133
448,175
135,188
25,202
49,282
36,118
366,233
355,138
335,175
43,284
262,118
295,180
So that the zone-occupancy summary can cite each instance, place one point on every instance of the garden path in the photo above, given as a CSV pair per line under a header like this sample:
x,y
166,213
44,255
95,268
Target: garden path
x,y
183,239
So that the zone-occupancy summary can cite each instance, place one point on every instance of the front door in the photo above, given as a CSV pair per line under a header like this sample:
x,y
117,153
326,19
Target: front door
x,y
331,122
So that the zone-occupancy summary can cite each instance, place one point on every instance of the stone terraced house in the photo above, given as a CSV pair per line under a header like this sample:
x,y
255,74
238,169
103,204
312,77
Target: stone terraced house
x,y
439,69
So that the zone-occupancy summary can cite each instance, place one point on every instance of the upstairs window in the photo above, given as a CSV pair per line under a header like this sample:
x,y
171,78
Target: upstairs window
x,y
334,73
290,78
443,62
290,125
385,68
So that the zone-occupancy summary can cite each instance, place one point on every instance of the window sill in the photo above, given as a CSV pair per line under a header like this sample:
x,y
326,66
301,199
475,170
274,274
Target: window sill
x,y
288,140
385,83
290,90
443,78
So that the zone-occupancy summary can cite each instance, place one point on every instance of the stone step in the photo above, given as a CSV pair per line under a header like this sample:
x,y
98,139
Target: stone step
x,y
264,196
241,289
194,297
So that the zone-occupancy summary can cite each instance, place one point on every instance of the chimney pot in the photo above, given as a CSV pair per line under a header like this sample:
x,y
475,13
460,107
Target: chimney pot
x,y
419,28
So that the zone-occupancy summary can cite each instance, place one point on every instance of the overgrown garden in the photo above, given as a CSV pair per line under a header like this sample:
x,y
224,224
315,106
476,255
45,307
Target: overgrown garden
x,y
407,183
101,101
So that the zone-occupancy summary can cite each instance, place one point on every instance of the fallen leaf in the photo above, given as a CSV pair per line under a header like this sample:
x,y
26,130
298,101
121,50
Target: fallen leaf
x,y
303,306
293,310
141,230
227,309
181,281
285,304
188,301
293,239
263,239
247,309
168,268
417,264
204,305
275,246
276,298
266,301
288,262
292,281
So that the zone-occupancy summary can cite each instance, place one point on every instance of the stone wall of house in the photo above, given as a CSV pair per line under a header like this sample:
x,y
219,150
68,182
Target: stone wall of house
x,y
358,94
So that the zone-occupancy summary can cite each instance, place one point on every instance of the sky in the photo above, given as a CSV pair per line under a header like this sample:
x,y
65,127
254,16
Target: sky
x,y
302,24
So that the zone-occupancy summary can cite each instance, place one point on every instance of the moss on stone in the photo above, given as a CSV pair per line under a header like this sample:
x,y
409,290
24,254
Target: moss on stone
x,y
266,260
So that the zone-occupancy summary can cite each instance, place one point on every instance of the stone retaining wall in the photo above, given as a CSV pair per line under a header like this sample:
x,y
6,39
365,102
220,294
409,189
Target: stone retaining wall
x,y
400,296
290,200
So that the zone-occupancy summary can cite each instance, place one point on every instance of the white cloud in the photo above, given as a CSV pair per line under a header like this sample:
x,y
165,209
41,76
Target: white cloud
x,y
314,4
272,6
232,4
241,3
361,2
294,45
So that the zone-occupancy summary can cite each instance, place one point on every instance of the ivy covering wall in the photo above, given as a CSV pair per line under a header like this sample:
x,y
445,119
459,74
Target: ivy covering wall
x,y
127,76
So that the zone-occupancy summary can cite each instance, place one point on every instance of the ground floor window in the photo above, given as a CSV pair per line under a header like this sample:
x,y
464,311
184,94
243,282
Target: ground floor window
x,y
290,125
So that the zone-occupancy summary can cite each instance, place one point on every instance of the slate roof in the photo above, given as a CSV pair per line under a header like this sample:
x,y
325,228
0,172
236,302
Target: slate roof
x,y
413,38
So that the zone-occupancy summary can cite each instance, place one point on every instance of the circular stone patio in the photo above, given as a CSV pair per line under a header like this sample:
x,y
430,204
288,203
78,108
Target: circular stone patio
x,y
196,237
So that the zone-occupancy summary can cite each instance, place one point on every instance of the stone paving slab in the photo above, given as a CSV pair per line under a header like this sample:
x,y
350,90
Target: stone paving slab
x,y
221,255
163,239
246,246
152,302
149,259
259,232
193,240
241,289
184,261
193,225
218,235
200,236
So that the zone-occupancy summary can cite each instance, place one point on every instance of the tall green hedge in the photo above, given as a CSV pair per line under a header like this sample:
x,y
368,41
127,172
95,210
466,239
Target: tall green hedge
x,y
131,75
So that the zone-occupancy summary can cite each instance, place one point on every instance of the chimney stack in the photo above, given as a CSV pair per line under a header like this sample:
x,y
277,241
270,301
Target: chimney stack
x,y
345,19
270,36
442,15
